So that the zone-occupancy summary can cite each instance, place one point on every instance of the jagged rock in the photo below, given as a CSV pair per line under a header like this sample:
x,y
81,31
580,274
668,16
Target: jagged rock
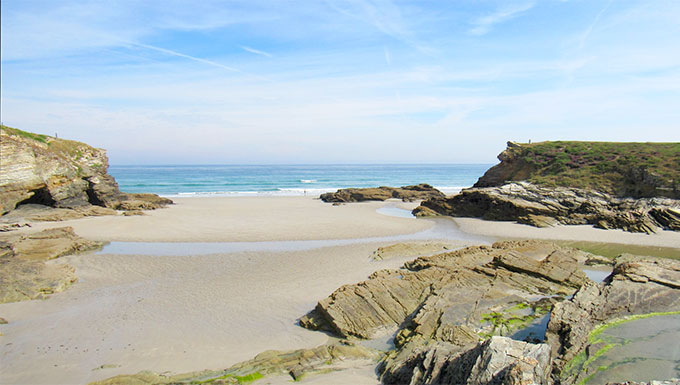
x,y
296,363
23,273
57,173
406,193
497,360
638,285
541,206
447,290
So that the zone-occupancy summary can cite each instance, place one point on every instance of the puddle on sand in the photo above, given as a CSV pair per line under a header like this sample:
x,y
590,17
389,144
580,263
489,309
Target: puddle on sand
x,y
641,350
394,211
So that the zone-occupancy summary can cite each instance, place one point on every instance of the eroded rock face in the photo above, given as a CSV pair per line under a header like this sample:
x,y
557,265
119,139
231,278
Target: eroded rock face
x,y
637,286
58,173
23,272
539,206
406,193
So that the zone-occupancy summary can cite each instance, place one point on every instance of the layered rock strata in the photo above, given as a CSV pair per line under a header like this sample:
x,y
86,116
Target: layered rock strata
x,y
60,173
542,206
441,308
406,193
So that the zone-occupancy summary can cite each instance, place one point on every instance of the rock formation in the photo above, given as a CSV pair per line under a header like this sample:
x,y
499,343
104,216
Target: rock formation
x,y
406,193
296,364
60,173
441,307
546,206
23,273
636,170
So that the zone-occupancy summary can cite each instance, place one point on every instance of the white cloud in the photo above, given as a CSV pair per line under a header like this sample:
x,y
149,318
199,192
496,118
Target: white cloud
x,y
484,24
255,51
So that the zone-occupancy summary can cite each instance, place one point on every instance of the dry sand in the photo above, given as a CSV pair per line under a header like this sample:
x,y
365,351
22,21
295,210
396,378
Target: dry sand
x,y
224,219
191,312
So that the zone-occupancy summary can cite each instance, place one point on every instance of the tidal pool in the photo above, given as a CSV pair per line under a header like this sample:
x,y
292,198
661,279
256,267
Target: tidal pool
x,y
639,350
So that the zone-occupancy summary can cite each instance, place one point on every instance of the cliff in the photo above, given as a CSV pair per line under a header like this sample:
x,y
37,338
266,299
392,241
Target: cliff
x,y
630,186
636,170
59,173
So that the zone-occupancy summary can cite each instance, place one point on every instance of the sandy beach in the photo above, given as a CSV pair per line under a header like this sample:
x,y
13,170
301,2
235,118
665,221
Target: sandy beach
x,y
179,313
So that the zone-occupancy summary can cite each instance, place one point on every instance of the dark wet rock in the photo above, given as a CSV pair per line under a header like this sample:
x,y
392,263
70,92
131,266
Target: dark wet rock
x,y
406,193
637,286
542,207
23,272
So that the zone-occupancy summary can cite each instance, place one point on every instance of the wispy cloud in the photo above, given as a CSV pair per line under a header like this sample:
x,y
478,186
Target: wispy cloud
x,y
196,59
589,30
255,51
388,59
483,25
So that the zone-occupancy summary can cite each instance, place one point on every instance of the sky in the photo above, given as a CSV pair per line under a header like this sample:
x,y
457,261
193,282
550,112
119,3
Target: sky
x,y
338,81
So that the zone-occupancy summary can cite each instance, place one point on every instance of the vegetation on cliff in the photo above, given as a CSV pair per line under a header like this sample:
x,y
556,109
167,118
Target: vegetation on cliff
x,y
621,169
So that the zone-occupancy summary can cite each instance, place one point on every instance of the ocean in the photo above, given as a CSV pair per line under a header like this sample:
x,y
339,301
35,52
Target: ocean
x,y
263,180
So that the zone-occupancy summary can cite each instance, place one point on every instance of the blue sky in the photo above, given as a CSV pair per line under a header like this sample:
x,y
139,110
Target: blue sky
x,y
339,81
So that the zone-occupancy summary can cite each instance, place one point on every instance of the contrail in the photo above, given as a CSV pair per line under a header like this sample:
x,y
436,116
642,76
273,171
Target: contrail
x,y
196,59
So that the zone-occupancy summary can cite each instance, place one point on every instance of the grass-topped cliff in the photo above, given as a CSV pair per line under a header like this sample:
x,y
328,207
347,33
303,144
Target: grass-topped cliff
x,y
622,169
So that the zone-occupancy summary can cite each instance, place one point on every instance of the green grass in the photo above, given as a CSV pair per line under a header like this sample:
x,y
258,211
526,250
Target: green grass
x,y
15,131
611,167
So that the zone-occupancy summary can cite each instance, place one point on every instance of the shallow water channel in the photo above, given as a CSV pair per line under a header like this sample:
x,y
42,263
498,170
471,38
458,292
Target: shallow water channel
x,y
443,229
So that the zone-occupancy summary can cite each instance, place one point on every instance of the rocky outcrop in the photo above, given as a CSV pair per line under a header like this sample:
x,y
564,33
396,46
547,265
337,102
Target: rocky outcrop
x,y
497,360
23,272
59,173
637,286
637,170
481,278
542,206
441,307
406,193
297,364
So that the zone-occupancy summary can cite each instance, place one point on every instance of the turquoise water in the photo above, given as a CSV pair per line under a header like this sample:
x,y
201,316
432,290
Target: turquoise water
x,y
289,179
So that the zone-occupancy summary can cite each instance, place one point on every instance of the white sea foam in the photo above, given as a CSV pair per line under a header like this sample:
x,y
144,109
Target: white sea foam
x,y
450,190
307,180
